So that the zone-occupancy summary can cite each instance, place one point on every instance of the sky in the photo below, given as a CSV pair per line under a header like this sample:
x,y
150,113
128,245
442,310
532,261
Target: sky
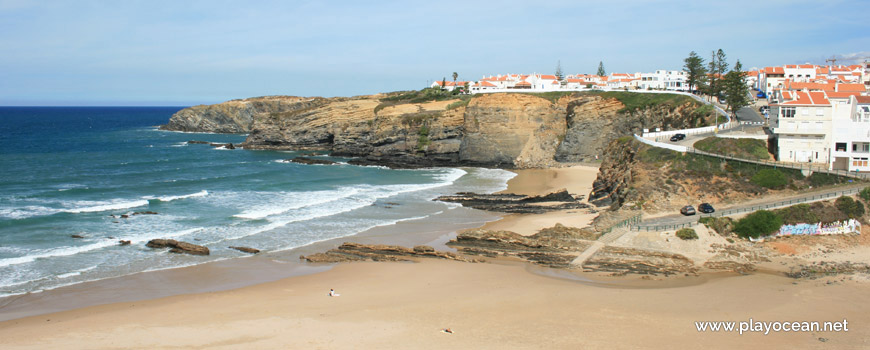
x,y
181,53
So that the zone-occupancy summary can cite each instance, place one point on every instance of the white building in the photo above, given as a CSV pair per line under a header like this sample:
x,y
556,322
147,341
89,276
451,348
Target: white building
x,y
674,80
851,135
800,72
801,123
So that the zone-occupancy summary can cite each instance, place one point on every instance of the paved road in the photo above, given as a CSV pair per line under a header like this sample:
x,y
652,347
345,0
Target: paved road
x,y
678,219
749,114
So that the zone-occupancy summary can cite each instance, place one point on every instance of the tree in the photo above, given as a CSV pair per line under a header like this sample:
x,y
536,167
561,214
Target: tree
x,y
716,68
559,75
465,87
601,71
694,68
455,75
736,90
443,83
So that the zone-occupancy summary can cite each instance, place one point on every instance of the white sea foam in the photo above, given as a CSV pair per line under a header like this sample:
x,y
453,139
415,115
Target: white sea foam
x,y
287,201
26,212
107,207
67,251
202,193
76,272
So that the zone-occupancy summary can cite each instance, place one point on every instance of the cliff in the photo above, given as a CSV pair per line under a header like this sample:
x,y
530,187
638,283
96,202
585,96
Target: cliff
x,y
503,130
233,117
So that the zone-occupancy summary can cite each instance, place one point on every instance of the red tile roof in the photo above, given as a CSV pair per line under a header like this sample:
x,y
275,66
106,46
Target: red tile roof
x,y
863,99
773,70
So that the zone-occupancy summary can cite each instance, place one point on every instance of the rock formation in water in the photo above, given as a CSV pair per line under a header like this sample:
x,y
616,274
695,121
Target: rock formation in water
x,y
178,246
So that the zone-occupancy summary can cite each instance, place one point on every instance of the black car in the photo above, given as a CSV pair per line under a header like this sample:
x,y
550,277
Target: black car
x,y
687,210
706,208
678,137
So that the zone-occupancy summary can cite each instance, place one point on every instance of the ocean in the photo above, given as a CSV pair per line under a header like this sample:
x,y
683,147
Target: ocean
x,y
74,171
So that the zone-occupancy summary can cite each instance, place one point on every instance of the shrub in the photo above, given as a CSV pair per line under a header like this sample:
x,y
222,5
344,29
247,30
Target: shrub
x,y
722,226
757,224
686,234
850,207
770,178
797,214
865,194
822,179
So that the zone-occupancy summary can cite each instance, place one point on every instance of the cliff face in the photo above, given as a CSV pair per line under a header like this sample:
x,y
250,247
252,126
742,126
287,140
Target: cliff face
x,y
506,130
594,121
513,129
234,116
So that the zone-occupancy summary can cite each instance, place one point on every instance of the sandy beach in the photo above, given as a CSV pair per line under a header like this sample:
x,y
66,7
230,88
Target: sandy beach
x,y
494,305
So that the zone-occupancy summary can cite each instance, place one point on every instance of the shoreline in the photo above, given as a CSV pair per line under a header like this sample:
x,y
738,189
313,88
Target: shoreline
x,y
497,304
248,271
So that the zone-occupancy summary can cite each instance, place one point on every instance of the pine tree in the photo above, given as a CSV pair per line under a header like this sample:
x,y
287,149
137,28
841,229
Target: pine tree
x,y
736,90
694,68
443,83
559,75
601,71
716,69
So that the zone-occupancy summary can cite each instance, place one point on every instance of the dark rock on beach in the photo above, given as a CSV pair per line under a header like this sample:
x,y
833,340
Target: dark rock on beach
x,y
123,242
555,247
246,250
516,203
313,161
379,252
178,246
77,236
145,213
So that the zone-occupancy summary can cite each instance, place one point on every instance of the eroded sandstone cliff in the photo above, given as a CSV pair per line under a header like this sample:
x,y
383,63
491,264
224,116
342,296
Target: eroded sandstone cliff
x,y
503,130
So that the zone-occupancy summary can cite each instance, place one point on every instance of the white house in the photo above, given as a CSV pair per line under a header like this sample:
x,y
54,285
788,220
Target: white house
x,y
800,72
851,135
801,123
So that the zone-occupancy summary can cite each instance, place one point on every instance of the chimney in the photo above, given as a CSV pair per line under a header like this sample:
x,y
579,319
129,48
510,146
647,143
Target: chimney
x,y
836,87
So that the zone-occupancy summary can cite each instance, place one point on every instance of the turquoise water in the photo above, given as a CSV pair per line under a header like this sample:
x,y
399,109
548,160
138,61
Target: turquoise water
x,y
75,171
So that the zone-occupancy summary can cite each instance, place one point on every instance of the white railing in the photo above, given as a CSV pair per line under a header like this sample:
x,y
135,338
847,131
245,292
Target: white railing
x,y
669,146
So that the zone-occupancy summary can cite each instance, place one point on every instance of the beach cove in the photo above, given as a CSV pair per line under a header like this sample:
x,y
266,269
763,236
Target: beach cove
x,y
498,304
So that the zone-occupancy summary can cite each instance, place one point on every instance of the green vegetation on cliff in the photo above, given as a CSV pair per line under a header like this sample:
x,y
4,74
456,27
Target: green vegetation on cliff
x,y
740,148
680,166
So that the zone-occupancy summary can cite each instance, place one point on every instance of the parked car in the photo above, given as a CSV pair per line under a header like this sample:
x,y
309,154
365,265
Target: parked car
x,y
763,108
678,137
688,210
706,208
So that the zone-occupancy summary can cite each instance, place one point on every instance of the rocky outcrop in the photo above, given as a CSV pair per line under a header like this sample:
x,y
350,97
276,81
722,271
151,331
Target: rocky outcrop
x,y
246,250
379,252
311,161
554,247
515,203
621,261
178,246
234,116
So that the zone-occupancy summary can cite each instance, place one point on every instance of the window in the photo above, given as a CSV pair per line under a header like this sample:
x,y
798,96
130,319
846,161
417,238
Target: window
x,y
805,111
859,161
841,146
787,112
820,111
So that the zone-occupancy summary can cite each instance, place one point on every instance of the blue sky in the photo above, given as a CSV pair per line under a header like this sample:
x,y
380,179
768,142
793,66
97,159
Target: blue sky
x,y
196,52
